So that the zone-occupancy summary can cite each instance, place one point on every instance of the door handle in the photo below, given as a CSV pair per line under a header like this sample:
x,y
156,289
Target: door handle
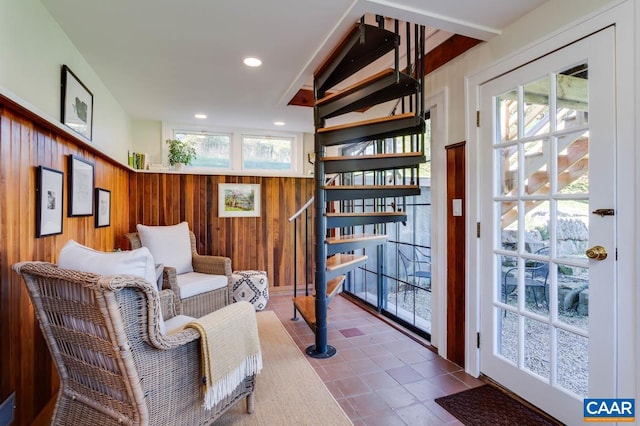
x,y
596,253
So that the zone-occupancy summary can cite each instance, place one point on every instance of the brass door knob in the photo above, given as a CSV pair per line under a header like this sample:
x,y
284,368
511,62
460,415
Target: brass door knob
x,y
596,253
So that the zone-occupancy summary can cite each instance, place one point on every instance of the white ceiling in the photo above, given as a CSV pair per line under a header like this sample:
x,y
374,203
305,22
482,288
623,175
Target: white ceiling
x,y
167,60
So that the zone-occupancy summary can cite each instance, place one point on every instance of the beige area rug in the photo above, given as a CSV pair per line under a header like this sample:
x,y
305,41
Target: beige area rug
x,y
288,390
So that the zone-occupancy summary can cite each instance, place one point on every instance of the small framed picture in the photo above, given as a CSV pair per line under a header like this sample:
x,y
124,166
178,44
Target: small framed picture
x,y
49,201
80,187
103,208
238,200
76,104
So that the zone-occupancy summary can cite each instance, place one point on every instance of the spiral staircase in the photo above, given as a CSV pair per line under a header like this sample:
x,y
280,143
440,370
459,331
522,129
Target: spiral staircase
x,y
335,214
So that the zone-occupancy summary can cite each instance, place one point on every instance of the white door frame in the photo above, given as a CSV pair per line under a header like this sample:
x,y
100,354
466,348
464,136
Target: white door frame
x,y
620,14
437,103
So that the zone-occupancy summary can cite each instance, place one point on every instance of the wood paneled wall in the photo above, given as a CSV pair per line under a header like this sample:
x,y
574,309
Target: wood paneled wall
x,y
25,143
264,243
456,254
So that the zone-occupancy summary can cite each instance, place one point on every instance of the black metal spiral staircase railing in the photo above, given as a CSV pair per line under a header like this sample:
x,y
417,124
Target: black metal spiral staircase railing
x,y
333,244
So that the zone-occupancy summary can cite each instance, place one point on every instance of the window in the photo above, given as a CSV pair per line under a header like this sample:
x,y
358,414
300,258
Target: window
x,y
212,150
266,153
253,152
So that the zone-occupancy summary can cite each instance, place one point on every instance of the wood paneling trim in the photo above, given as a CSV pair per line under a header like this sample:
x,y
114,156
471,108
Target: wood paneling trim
x,y
27,141
53,128
456,255
263,243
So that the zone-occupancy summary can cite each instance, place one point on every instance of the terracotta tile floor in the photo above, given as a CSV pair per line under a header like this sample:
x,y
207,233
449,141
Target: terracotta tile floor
x,y
379,375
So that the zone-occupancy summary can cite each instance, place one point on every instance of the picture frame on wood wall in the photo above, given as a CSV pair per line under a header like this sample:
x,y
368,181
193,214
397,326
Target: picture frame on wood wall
x,y
103,208
49,201
76,104
80,187
238,200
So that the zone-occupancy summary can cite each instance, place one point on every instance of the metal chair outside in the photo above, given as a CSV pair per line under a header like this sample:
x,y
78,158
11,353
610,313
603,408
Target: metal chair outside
x,y
417,268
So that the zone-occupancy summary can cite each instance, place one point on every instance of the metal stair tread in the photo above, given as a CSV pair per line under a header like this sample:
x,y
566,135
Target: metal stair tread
x,y
368,187
358,214
350,192
343,260
333,286
339,220
366,122
382,87
306,305
378,128
344,243
361,46
340,239
354,87
390,161
373,156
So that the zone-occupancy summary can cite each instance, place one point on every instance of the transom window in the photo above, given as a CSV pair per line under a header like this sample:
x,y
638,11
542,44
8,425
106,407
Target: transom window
x,y
269,154
212,149
266,153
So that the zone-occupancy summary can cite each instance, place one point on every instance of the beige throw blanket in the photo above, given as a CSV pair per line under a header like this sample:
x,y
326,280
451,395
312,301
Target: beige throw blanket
x,y
230,349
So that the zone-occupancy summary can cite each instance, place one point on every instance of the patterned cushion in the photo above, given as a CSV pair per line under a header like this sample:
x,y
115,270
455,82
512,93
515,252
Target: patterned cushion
x,y
252,286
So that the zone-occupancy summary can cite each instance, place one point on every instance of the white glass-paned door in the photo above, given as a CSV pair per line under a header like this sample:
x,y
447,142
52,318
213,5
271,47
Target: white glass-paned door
x,y
548,147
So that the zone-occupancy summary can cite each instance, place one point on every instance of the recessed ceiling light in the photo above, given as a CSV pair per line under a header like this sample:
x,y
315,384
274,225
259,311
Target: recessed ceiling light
x,y
278,123
201,116
252,62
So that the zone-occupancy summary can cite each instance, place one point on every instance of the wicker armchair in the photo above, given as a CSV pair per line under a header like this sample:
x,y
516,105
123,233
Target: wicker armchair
x,y
114,365
204,303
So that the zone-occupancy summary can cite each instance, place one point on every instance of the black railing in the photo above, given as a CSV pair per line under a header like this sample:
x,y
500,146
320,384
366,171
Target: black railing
x,y
296,218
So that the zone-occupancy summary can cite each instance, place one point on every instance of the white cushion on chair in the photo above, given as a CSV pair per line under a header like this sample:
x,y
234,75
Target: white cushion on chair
x,y
82,258
194,283
170,245
138,262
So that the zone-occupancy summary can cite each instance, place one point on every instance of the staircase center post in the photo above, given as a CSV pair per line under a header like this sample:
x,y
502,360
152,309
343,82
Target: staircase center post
x,y
321,349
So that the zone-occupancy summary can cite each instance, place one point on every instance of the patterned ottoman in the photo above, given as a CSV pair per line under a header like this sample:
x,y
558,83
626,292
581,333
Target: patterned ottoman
x,y
252,286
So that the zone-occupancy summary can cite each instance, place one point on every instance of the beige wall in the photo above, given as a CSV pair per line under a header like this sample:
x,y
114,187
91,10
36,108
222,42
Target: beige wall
x,y
538,24
147,138
33,49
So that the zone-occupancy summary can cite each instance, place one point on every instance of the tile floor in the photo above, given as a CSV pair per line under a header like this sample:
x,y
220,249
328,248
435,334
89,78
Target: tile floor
x,y
379,375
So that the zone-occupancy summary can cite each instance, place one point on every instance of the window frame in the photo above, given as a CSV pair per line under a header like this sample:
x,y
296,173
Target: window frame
x,y
298,149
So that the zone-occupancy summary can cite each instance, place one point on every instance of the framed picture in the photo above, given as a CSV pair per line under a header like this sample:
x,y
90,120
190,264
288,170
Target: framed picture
x,y
49,201
103,208
76,104
80,187
238,200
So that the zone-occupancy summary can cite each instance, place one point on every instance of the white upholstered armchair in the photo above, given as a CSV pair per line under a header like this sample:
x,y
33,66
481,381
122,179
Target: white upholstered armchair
x,y
202,284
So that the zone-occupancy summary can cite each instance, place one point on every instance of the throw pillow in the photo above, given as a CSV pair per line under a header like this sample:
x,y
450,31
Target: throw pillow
x,y
170,245
85,259
81,258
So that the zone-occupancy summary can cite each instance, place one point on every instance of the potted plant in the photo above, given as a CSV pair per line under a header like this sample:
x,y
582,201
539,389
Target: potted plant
x,y
180,153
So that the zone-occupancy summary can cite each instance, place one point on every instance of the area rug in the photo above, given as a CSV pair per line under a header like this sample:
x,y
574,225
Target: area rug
x,y
487,405
288,390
